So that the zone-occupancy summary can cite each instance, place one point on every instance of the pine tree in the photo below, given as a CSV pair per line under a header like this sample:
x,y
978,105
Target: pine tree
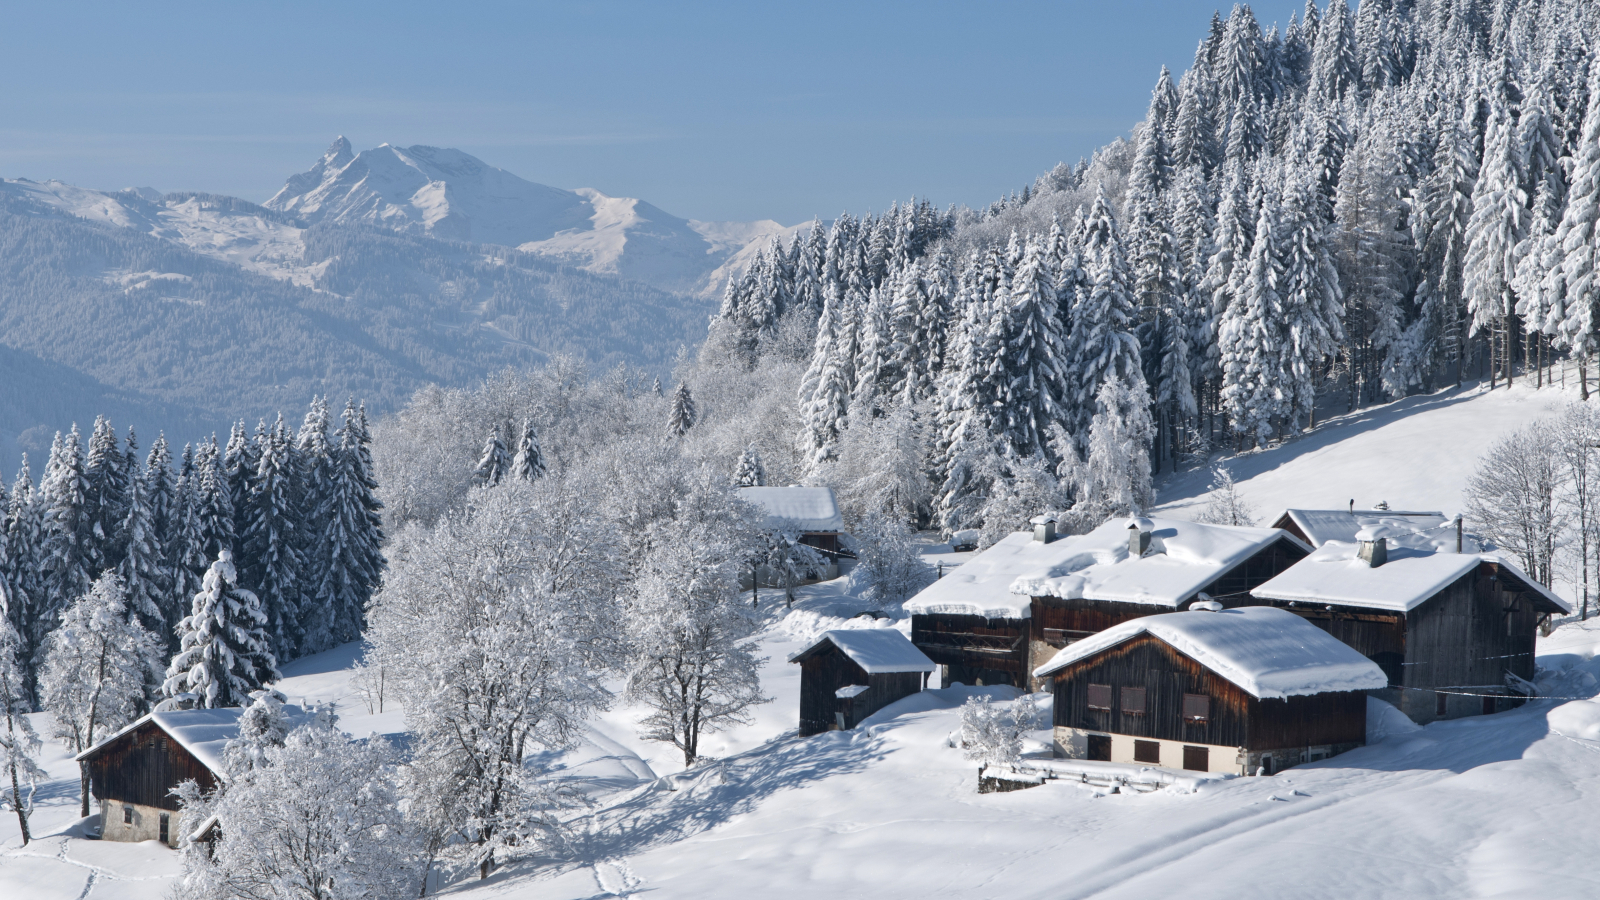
x,y
750,472
1498,223
225,652
185,556
825,388
492,463
1036,385
681,417
213,504
140,571
1103,346
105,496
1335,63
70,550
1116,473
239,462
25,602
352,564
1312,326
272,542
528,464
1575,277
1252,368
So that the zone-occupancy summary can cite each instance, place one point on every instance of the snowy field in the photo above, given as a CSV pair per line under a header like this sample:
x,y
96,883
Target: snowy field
x,y
1493,806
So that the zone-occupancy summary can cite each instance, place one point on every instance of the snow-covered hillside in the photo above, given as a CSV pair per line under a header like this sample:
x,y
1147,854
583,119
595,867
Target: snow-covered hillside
x,y
449,194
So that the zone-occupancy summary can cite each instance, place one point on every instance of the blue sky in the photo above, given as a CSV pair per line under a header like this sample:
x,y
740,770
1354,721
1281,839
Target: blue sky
x,y
708,110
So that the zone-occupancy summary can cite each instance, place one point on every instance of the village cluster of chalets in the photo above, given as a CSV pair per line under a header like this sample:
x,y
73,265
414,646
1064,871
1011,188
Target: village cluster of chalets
x,y
1210,648
1166,644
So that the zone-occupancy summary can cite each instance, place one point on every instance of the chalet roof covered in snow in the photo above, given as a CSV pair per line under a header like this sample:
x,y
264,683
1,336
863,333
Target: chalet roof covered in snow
x,y
805,508
1320,526
1182,559
877,650
981,586
205,733
1335,575
1270,653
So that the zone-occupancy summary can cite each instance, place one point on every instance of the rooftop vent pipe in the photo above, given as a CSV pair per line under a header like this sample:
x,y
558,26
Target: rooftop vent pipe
x,y
1139,537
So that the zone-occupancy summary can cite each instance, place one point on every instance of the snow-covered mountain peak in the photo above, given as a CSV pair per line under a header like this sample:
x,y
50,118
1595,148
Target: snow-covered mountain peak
x,y
447,193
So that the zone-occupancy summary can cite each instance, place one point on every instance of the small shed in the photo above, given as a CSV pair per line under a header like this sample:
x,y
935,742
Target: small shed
x,y
133,772
812,511
847,675
1454,632
1235,691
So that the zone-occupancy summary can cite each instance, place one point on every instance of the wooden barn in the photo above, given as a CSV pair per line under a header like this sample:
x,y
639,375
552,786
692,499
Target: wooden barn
x,y
970,623
132,773
847,675
1319,526
1239,691
1453,632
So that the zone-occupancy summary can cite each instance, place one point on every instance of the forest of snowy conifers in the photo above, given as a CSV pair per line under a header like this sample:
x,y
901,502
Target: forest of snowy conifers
x,y
293,515
1360,206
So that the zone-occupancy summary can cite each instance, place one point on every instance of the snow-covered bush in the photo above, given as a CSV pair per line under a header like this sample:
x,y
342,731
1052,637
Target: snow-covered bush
x,y
888,563
319,817
990,732
1226,506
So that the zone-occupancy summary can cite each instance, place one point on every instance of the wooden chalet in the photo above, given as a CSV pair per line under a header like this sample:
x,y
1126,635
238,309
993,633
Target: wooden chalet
x,y
847,675
1453,632
1007,610
133,772
1241,691
813,512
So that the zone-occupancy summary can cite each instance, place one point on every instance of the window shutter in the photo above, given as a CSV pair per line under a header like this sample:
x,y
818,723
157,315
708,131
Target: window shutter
x,y
1147,752
1133,701
1099,696
1196,708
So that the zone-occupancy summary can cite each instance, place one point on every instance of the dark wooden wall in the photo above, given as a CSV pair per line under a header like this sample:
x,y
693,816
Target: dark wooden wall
x,y
1266,564
1237,718
1471,634
827,670
974,644
1166,675
1376,634
143,766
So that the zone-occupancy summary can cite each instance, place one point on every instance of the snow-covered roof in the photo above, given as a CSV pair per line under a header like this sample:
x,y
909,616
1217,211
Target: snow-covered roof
x,y
981,586
205,733
1268,652
1323,525
805,508
851,690
1182,559
877,650
1335,575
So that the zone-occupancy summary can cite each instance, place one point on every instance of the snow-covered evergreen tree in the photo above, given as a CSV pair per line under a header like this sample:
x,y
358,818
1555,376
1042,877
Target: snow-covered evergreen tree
x,y
1253,370
750,472
25,583
224,650
141,569
1103,346
1498,224
1574,278
70,552
97,667
1226,507
493,463
1116,473
528,464
681,417
351,563
1036,388
273,565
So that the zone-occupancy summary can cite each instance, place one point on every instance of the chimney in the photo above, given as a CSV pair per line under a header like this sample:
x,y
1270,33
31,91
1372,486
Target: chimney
x,y
1044,528
1139,537
1372,545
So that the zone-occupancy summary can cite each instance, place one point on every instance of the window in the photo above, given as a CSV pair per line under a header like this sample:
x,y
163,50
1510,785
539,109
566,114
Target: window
x,y
1147,751
1196,708
1099,696
1197,759
1441,705
1133,701
1100,747
165,829
127,815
